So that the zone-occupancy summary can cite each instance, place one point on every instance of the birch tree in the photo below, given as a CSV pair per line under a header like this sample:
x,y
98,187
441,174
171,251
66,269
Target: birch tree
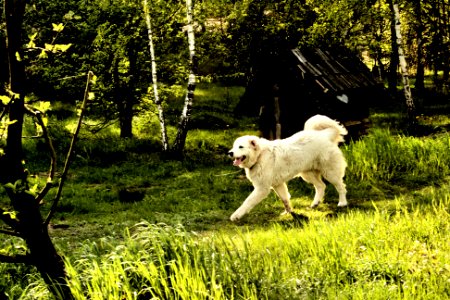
x,y
187,108
164,138
403,65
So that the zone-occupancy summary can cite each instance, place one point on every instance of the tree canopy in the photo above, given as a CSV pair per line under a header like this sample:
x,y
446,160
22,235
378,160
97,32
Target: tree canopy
x,y
232,37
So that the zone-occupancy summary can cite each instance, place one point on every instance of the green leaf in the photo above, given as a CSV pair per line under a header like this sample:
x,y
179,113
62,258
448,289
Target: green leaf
x,y
9,185
43,54
10,122
44,105
5,99
62,47
32,44
12,214
49,47
34,189
94,79
57,47
14,95
69,15
58,27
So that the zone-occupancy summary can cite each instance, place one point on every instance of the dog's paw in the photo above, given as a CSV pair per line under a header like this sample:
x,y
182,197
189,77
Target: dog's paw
x,y
314,205
235,217
285,212
342,204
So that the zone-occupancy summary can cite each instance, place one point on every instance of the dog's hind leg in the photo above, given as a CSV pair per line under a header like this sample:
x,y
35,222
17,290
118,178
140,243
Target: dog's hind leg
x,y
339,184
283,192
315,178
335,173
252,200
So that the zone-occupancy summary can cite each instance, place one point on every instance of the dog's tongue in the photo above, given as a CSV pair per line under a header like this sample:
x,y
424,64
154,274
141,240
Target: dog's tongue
x,y
237,162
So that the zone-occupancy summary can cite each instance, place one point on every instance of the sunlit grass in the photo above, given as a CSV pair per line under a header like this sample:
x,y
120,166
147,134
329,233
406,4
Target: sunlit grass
x,y
375,254
176,242
391,243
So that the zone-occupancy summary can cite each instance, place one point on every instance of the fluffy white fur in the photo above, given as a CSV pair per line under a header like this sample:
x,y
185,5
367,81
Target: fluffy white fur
x,y
312,154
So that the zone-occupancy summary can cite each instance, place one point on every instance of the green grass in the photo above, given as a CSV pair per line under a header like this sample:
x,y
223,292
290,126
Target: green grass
x,y
402,254
134,225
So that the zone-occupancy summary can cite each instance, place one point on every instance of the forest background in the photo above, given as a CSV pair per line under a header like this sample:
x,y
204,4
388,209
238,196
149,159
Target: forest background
x,y
121,175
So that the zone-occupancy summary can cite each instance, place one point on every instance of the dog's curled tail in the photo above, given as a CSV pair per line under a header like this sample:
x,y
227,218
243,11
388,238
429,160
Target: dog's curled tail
x,y
320,122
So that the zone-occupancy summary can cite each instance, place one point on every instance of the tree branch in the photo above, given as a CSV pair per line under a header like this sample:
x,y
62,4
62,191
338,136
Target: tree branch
x,y
51,173
9,232
4,112
15,259
71,150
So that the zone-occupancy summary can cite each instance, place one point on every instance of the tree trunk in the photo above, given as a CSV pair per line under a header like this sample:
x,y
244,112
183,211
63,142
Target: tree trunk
x,y
41,250
126,121
128,95
392,75
29,224
380,72
14,11
420,71
445,52
186,114
125,113
164,138
122,99
405,76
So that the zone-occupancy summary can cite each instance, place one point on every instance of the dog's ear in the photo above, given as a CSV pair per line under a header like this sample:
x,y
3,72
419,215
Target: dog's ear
x,y
254,144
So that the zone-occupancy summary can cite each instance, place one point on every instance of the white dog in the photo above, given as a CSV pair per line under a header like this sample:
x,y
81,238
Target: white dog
x,y
311,154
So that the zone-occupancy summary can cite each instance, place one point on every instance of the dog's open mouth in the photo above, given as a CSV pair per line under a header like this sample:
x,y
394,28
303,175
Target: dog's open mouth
x,y
239,160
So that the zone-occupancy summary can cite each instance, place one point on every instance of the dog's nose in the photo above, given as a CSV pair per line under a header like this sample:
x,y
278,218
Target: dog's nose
x,y
230,154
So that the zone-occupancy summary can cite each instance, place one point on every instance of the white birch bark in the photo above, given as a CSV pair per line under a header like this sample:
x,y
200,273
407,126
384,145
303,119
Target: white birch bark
x,y
164,138
403,64
186,114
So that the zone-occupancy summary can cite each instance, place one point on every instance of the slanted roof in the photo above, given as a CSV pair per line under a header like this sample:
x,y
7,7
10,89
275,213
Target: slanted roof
x,y
334,72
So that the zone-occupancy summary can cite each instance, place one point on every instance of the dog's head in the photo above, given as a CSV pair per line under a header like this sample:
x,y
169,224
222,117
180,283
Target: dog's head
x,y
245,151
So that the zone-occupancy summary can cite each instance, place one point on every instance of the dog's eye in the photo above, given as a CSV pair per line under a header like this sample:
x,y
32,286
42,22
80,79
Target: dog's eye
x,y
241,147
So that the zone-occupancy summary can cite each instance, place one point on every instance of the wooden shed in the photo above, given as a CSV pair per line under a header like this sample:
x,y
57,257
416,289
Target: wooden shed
x,y
287,89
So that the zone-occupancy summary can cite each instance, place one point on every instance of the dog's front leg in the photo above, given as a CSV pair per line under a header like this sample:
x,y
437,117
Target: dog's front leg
x,y
283,192
252,200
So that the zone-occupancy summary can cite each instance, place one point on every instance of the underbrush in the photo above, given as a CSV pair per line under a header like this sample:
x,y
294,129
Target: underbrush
x,y
388,161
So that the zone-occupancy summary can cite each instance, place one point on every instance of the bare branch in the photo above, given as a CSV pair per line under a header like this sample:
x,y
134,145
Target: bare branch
x,y
71,150
71,77
9,232
95,128
4,112
51,173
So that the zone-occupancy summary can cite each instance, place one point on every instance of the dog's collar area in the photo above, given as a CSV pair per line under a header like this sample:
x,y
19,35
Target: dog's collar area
x,y
256,162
